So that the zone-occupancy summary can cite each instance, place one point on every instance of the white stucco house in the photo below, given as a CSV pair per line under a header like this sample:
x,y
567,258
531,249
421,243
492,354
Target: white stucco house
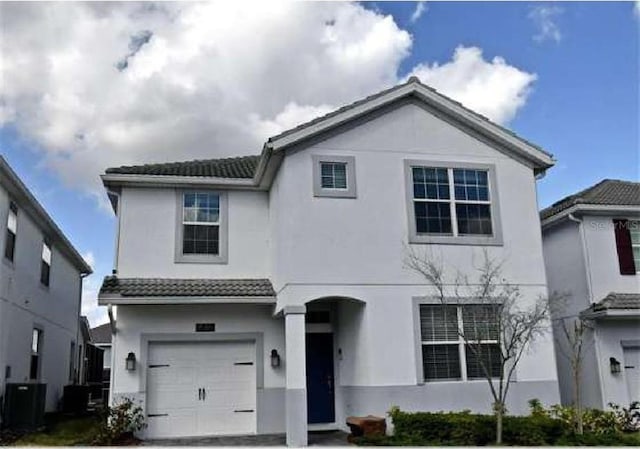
x,y
592,253
268,293
40,292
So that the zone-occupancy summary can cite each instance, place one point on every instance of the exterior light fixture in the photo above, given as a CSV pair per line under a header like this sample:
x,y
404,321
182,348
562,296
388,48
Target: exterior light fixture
x,y
275,358
614,365
131,362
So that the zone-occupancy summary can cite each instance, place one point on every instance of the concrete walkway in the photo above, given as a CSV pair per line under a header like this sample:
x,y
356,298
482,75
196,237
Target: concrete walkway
x,y
325,438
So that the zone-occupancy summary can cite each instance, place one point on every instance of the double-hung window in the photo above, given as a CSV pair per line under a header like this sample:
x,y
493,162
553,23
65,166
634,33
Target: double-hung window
x,y
333,175
12,231
451,204
459,342
45,263
202,230
36,350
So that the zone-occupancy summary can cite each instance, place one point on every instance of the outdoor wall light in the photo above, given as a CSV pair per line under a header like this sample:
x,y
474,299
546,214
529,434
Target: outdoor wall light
x,y
131,362
275,358
614,365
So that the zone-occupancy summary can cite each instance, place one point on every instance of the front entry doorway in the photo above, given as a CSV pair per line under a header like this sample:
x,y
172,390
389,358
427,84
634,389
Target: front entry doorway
x,y
320,379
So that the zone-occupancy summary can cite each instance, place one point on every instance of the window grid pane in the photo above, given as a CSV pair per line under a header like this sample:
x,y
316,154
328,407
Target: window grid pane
x,y
634,231
10,245
430,183
474,219
333,175
441,361
438,323
471,185
490,355
480,322
201,239
202,208
432,217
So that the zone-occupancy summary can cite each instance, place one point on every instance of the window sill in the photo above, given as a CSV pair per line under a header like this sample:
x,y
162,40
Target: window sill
x,y
199,259
451,240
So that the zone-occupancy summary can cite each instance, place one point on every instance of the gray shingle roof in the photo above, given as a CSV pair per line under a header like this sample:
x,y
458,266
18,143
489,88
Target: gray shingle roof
x,y
153,287
608,192
623,301
233,167
101,334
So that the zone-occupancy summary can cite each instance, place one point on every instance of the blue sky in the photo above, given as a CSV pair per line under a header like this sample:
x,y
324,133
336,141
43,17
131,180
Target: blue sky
x,y
575,64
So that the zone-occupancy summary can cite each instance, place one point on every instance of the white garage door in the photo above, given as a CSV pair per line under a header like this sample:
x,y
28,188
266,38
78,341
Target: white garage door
x,y
201,388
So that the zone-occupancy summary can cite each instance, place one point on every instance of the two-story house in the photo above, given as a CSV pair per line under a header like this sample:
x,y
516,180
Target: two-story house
x,y
269,293
40,292
592,253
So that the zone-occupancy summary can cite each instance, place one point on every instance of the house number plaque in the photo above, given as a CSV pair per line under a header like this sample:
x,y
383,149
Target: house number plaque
x,y
205,327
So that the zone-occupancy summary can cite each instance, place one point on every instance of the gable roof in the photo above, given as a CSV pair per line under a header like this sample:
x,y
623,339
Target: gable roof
x,y
233,167
608,192
252,172
101,334
25,200
414,88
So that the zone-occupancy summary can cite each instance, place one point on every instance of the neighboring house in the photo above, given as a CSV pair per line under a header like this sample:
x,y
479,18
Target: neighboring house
x,y
268,293
40,292
101,337
592,254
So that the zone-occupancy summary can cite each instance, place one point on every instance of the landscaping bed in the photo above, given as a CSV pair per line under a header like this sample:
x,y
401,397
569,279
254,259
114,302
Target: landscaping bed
x,y
541,428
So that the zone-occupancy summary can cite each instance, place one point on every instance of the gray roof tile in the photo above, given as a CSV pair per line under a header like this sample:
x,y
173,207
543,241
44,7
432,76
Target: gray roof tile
x,y
608,192
623,301
153,287
233,167
101,334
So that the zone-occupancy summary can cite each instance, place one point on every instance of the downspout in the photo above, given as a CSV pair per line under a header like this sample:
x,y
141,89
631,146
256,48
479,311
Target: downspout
x,y
112,325
587,262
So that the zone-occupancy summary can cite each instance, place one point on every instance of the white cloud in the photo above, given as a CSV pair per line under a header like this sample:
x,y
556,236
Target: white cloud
x,y
544,17
90,259
636,8
492,88
205,80
421,8
96,314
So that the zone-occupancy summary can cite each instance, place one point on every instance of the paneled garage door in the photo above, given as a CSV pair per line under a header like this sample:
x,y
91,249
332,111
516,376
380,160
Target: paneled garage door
x,y
201,388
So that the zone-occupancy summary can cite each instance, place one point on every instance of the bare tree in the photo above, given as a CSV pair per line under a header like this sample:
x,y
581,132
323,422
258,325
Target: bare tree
x,y
506,317
574,330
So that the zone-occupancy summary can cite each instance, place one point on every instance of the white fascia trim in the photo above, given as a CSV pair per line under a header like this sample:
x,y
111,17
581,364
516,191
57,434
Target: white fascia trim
x,y
612,314
134,300
596,209
169,180
527,150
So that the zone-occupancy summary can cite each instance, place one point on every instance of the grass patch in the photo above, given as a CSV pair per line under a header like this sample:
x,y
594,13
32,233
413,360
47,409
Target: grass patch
x,y
63,431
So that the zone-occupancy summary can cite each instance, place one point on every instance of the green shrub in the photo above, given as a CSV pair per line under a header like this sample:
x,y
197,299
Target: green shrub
x,y
120,422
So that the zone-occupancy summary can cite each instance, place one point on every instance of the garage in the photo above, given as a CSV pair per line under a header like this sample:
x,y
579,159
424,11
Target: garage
x,y
201,388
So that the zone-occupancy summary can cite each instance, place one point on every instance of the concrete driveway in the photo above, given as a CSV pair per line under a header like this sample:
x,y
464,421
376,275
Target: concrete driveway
x,y
325,438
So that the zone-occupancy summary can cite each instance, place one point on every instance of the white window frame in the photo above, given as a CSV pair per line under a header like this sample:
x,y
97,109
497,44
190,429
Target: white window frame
x,y
11,226
454,238
634,225
222,256
459,341
349,161
37,353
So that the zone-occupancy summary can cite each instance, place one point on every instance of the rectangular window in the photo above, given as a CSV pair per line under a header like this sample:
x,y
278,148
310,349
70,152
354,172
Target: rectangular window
x,y
436,211
45,263
333,175
446,355
201,223
12,231
72,358
36,347
634,232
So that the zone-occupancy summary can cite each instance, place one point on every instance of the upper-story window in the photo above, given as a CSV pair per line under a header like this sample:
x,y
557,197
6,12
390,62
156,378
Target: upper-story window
x,y
12,231
457,340
36,352
451,204
334,176
45,264
634,232
202,227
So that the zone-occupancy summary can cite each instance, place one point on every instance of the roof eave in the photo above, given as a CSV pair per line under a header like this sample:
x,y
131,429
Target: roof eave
x,y
115,299
16,187
610,314
595,209
110,180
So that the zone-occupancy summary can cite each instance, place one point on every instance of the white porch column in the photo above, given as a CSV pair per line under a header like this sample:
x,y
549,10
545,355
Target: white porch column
x,y
296,373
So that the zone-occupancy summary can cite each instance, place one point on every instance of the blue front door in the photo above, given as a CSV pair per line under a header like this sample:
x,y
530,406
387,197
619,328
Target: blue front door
x,y
320,400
